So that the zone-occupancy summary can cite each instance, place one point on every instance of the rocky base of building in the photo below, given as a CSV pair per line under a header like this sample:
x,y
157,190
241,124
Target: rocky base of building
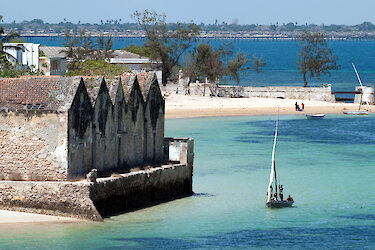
x,y
95,200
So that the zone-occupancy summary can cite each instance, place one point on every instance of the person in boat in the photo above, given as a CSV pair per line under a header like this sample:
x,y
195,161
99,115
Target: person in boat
x,y
270,191
275,196
289,198
281,192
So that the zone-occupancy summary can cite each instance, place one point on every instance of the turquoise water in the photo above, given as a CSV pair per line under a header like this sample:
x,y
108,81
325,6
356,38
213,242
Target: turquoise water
x,y
327,165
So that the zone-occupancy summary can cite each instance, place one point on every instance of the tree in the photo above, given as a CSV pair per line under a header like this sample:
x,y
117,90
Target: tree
x,y
258,63
188,66
315,57
4,63
236,65
105,46
214,63
81,48
167,45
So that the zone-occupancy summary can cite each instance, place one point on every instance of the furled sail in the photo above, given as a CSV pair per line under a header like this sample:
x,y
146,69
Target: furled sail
x,y
273,170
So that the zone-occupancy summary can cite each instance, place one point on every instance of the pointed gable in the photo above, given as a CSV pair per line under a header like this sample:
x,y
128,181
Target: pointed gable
x,y
155,101
103,105
135,100
80,111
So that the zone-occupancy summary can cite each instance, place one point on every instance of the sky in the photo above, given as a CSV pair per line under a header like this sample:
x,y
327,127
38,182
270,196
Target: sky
x,y
206,11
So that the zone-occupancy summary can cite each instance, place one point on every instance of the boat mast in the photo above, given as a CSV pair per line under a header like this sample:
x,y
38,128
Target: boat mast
x,y
274,152
360,82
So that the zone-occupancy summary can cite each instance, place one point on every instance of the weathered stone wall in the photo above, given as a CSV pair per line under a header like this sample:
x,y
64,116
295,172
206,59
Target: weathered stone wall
x,y
323,93
71,199
154,118
142,188
105,156
100,130
125,129
80,134
103,198
302,93
33,145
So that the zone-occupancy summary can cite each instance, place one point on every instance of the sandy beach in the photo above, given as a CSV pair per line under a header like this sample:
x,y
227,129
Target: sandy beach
x,y
185,106
7,217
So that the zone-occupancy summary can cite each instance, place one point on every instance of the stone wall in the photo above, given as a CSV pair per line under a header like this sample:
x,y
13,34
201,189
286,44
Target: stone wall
x,y
115,130
95,128
302,93
103,197
33,145
70,199
323,93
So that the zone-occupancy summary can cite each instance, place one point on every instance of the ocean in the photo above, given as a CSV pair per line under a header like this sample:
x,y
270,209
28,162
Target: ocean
x,y
281,58
326,165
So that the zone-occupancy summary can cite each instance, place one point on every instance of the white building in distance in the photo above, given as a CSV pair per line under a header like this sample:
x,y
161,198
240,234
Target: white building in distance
x,y
25,54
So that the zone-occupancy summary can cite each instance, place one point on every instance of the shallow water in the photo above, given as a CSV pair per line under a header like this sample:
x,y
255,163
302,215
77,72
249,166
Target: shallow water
x,y
327,165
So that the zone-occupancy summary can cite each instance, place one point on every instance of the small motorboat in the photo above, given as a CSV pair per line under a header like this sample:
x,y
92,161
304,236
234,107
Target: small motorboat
x,y
315,116
355,112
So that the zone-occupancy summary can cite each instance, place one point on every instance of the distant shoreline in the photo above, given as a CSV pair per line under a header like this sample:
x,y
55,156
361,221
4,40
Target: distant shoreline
x,y
258,37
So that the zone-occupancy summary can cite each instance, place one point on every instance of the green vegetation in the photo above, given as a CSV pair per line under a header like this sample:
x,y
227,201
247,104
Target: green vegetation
x,y
236,65
142,51
117,27
166,46
214,64
97,68
6,68
258,63
315,57
85,59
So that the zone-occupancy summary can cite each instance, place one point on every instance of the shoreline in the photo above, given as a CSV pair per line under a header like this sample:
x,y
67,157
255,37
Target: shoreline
x,y
181,106
15,217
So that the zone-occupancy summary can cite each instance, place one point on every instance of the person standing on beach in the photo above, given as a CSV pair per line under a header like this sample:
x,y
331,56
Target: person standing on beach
x,y
297,107
303,106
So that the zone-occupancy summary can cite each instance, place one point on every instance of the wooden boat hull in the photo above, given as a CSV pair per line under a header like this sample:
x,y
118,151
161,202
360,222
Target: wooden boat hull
x,y
355,112
315,116
279,204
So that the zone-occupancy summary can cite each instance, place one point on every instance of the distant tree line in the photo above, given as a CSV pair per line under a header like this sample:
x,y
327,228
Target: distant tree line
x,y
170,49
117,27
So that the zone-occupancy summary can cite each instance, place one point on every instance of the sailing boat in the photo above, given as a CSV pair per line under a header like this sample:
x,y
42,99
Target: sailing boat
x,y
276,200
359,111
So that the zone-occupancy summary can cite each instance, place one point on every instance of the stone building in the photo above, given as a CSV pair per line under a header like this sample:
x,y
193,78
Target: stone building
x,y
57,128
88,148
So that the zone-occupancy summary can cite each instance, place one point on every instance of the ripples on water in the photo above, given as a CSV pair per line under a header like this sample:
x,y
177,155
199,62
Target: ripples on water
x,y
353,130
327,165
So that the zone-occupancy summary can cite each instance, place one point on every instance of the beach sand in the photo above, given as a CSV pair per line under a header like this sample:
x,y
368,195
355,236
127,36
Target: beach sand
x,y
7,217
185,106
